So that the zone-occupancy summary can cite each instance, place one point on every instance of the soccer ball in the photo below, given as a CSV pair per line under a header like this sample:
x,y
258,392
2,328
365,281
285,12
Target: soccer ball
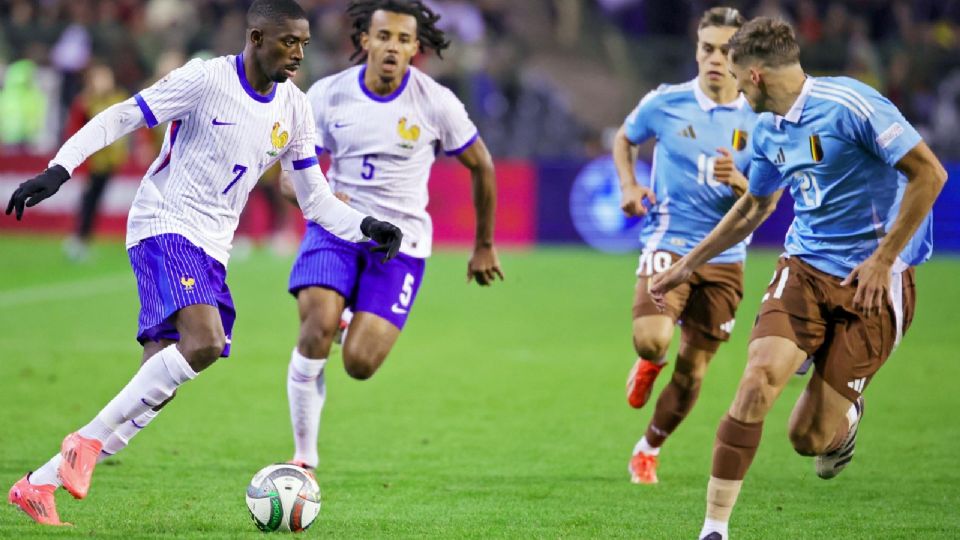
x,y
283,497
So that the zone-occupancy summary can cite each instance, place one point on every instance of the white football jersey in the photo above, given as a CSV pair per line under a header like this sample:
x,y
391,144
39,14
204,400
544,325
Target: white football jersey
x,y
382,147
222,136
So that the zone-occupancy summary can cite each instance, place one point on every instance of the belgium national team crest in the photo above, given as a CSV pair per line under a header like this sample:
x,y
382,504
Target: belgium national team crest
x,y
739,141
816,151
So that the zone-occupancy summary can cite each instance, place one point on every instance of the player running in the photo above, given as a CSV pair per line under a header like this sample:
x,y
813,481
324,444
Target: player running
x,y
864,184
231,118
692,187
383,122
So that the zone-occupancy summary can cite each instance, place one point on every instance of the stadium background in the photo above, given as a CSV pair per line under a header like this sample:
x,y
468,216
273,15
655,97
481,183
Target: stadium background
x,y
501,411
546,81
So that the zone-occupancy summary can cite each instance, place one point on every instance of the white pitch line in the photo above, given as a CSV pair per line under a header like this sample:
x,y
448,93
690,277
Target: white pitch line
x,y
69,290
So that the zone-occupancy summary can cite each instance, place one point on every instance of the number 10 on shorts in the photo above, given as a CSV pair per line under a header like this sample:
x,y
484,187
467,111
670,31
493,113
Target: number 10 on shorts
x,y
653,263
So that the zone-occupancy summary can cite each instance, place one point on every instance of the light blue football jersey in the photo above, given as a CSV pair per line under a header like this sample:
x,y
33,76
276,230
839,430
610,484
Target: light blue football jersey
x,y
689,127
836,149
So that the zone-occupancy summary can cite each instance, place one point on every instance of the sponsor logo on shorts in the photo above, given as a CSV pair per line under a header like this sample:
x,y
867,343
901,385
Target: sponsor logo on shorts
x,y
398,310
858,384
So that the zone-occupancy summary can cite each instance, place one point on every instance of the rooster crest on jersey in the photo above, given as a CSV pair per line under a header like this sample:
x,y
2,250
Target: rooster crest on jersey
x,y
411,134
187,282
278,139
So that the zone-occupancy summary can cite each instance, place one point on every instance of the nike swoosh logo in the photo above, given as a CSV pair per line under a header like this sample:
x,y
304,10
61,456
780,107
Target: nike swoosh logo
x,y
219,123
398,310
339,125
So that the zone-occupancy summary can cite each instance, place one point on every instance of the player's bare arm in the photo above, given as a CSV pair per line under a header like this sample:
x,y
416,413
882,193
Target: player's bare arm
x,y
746,215
725,171
632,194
925,178
484,265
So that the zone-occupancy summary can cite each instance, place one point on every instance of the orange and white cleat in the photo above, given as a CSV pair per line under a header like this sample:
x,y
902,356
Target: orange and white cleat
x,y
640,382
643,468
79,458
36,501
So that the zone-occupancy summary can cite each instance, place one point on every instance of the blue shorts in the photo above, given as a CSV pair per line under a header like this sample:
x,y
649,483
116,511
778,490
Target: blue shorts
x,y
172,273
367,284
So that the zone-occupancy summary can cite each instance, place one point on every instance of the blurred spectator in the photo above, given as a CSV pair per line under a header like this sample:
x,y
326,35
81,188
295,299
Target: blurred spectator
x,y
22,106
98,93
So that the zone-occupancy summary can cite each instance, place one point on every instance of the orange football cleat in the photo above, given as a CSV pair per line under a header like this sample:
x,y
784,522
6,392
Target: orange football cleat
x,y
640,382
79,458
36,501
643,468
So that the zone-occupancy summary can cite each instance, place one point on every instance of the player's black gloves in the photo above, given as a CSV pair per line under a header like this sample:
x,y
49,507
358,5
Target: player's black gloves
x,y
387,235
37,189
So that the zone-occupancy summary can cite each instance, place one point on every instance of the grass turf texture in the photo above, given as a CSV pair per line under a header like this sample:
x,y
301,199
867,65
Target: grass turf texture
x,y
500,413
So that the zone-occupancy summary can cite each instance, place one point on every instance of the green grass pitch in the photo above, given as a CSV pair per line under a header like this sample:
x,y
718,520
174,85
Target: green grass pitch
x,y
500,413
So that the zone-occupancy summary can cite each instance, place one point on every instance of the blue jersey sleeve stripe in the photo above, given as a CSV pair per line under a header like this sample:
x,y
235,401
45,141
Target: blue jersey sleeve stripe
x,y
300,164
145,109
462,149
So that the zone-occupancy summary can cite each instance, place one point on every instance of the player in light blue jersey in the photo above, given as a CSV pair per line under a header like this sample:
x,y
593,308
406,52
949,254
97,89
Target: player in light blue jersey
x,y
692,187
863,184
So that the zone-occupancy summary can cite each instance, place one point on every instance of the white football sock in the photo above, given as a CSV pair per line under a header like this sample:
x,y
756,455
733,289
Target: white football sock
x,y
153,384
306,392
121,437
658,361
47,474
644,446
711,525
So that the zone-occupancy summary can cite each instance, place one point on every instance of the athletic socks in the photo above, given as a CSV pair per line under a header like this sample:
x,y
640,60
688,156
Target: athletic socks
x,y
644,447
47,474
153,384
306,392
713,526
121,437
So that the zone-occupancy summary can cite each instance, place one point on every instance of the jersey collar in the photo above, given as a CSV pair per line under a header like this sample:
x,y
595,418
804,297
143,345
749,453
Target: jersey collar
x,y
389,97
708,104
242,74
793,115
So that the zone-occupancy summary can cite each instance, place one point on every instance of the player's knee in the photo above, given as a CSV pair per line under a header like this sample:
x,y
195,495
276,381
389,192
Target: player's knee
x,y
316,338
201,351
756,393
651,344
808,442
361,362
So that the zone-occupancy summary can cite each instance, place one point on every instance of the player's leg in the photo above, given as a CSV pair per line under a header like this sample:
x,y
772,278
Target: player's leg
x,y
673,405
772,360
172,276
779,344
385,295
319,310
824,423
322,279
652,332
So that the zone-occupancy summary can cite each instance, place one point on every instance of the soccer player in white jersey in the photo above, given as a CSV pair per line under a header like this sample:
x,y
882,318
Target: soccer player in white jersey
x,y
230,119
382,122
863,184
692,187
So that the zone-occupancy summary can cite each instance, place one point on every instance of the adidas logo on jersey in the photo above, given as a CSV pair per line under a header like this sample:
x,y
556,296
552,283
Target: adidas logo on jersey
x,y
688,132
781,158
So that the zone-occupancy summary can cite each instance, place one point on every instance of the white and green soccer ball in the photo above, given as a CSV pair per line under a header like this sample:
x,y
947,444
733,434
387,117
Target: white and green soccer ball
x,y
283,497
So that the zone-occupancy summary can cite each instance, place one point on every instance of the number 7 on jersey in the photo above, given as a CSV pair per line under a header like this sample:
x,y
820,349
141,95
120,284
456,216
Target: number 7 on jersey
x,y
240,170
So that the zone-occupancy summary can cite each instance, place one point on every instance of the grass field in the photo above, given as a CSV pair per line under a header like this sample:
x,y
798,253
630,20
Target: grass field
x,y
499,414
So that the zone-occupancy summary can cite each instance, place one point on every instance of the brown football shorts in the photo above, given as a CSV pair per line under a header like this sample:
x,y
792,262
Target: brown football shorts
x,y
810,308
705,306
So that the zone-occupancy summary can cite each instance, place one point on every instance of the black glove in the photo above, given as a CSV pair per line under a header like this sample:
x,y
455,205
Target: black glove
x,y
37,189
387,235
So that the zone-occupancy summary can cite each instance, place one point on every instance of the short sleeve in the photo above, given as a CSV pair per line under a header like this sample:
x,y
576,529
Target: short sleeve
x,y
639,123
880,128
316,98
457,131
764,178
301,153
173,96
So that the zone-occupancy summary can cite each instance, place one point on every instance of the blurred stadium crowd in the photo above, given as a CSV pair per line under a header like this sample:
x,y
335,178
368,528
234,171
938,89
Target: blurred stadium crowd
x,y
541,78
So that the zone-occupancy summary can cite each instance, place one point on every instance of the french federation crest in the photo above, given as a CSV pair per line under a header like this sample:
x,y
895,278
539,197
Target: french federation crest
x,y
409,135
278,139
